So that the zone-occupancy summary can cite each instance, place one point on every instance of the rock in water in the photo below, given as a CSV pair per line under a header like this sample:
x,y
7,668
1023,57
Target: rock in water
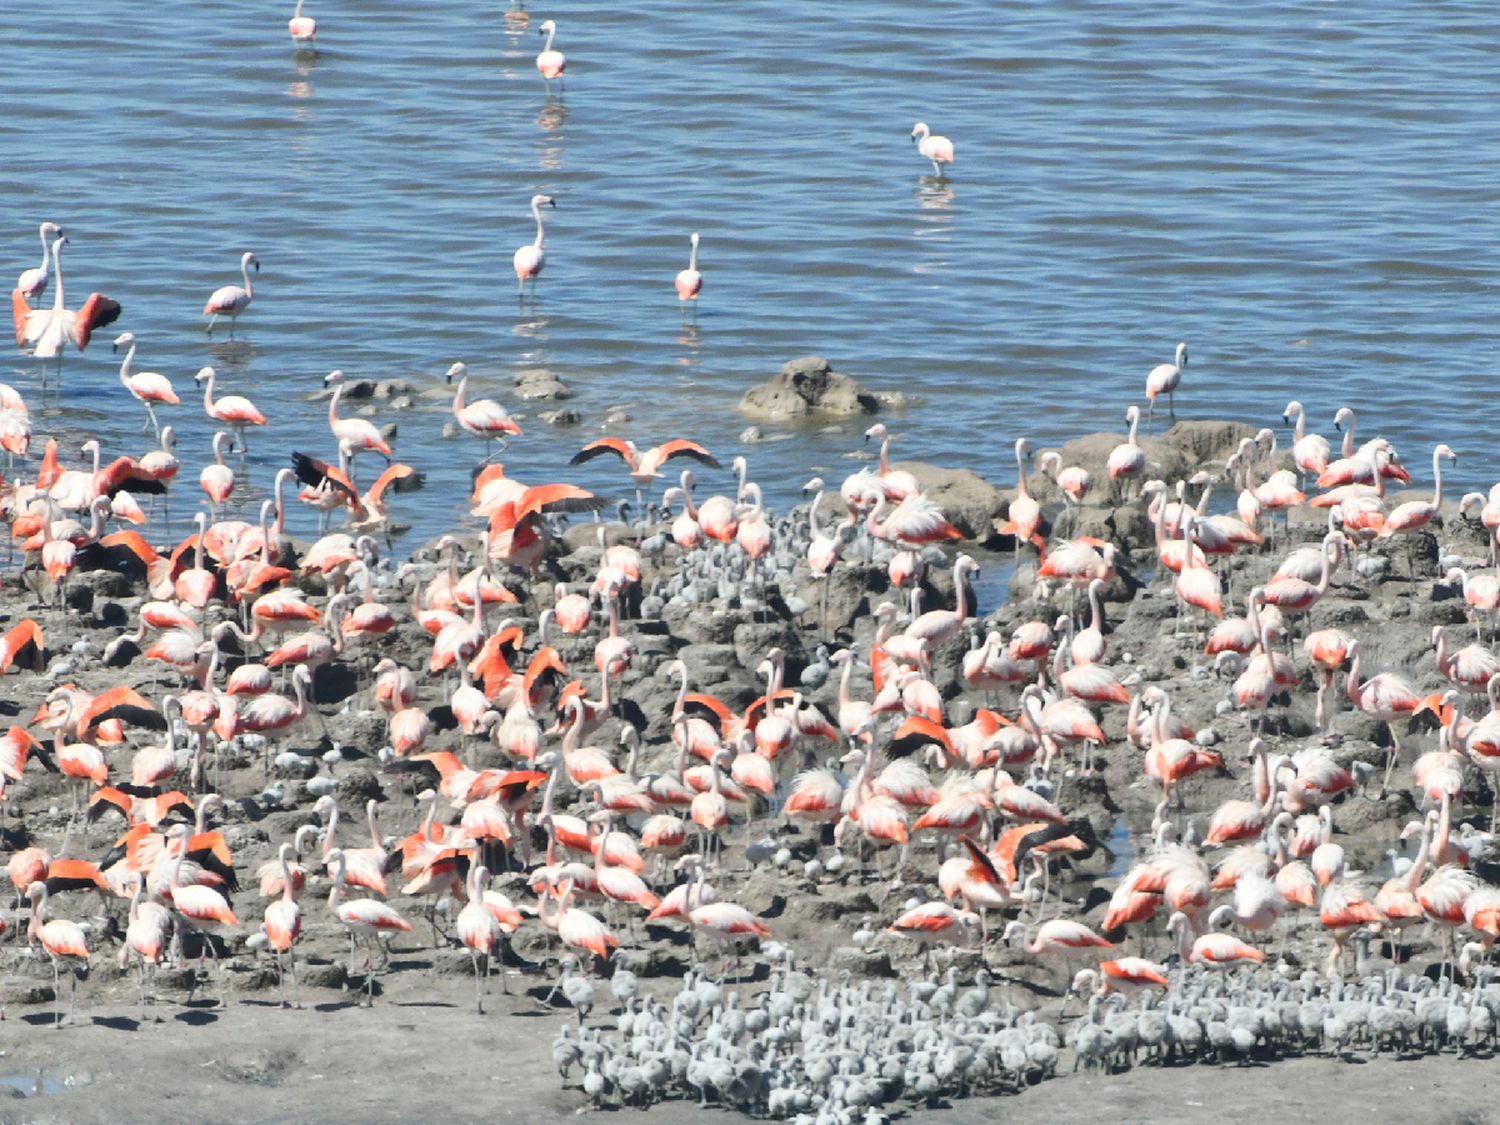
x,y
805,388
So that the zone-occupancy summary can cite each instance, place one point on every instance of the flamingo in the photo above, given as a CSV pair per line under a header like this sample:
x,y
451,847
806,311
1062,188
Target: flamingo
x,y
479,929
1386,698
32,282
146,935
48,330
550,63
1413,516
530,259
485,418
360,433
1074,481
234,411
1165,378
218,479
1126,461
1310,452
1025,515
937,149
147,386
364,919
689,282
231,300
64,943
303,29
284,923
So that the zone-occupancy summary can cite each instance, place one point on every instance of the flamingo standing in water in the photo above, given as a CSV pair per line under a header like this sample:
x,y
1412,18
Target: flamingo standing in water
x,y
937,149
148,387
551,63
33,281
530,259
234,411
49,330
218,479
231,300
1165,378
360,433
485,418
303,29
690,282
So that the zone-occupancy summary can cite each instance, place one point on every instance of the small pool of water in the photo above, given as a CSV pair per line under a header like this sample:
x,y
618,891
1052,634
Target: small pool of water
x,y
33,1085
1120,848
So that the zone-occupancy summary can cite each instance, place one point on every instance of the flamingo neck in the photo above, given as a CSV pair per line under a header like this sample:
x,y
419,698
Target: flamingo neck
x,y
208,395
125,366
1348,450
693,259
1020,472
1437,477
551,32
245,273
536,210
57,298
458,399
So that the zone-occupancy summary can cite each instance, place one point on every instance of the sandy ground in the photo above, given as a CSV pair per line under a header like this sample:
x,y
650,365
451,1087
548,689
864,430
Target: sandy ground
x,y
422,1055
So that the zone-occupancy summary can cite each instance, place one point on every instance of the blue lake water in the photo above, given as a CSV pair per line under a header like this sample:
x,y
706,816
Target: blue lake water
x,y
1304,193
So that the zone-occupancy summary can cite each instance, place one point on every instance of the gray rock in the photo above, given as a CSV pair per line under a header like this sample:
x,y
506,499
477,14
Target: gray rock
x,y
390,388
541,385
617,417
1212,441
752,434
389,431
567,416
807,388
875,963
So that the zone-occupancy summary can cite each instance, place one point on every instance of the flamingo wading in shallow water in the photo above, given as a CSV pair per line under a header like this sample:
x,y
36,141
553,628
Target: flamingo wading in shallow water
x,y
530,259
689,281
937,149
550,63
236,412
303,29
231,300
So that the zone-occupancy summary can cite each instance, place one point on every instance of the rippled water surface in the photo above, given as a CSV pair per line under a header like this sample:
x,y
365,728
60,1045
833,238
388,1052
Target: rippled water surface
x,y
1306,194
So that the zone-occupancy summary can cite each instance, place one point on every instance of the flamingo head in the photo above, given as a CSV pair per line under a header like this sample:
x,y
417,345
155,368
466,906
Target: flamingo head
x,y
457,371
203,373
122,339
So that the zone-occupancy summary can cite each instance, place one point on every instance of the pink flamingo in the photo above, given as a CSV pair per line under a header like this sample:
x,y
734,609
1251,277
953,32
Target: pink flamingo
x,y
32,282
485,418
1165,378
690,282
938,149
147,386
1413,516
1126,461
530,259
551,63
1386,698
231,300
234,411
218,479
360,433
303,29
